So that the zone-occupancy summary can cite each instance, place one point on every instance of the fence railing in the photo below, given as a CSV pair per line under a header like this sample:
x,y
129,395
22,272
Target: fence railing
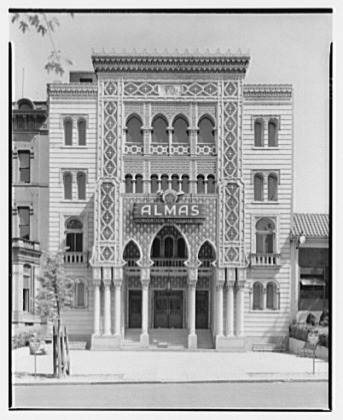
x,y
265,259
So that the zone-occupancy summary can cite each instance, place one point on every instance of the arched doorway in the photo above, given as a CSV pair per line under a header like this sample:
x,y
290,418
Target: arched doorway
x,y
131,256
168,253
202,299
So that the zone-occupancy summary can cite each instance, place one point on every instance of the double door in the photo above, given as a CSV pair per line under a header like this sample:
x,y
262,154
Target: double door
x,y
168,309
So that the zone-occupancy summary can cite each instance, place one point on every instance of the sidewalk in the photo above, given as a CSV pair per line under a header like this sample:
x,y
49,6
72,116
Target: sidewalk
x,y
168,366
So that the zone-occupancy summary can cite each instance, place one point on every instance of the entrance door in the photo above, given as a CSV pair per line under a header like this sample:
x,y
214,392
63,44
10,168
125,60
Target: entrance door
x,y
135,308
201,315
168,309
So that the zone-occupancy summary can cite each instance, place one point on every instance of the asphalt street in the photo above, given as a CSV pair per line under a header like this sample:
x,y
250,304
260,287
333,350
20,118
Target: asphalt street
x,y
243,395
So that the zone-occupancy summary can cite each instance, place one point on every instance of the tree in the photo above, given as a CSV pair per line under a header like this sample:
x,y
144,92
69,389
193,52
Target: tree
x,y
55,293
44,25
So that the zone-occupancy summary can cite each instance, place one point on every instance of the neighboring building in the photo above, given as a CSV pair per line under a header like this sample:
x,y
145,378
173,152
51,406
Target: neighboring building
x,y
30,205
310,264
171,194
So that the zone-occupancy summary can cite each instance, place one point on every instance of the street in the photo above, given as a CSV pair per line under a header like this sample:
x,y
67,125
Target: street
x,y
243,395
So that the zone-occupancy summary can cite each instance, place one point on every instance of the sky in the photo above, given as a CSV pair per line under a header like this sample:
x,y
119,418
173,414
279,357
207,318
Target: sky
x,y
284,48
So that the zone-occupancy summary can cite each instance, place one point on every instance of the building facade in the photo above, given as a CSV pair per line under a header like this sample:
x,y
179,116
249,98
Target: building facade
x,y
171,196
30,199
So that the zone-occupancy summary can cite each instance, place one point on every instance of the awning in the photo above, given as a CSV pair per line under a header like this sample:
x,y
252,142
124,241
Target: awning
x,y
312,282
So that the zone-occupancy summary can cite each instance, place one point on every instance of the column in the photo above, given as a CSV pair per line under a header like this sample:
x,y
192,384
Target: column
x,y
96,317
192,281
229,314
118,281
220,280
107,308
133,185
240,302
192,133
145,280
146,140
170,139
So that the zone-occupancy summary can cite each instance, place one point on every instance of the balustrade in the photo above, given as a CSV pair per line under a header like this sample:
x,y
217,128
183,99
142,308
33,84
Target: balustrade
x,y
265,259
75,257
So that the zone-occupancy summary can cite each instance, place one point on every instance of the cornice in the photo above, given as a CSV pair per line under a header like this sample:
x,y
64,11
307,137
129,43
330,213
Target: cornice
x,y
73,89
267,92
171,62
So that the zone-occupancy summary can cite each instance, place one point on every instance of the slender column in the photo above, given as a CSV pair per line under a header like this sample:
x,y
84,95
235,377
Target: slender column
x,y
96,317
170,139
193,140
192,281
229,314
118,280
240,301
146,140
220,280
205,186
145,280
107,308
134,186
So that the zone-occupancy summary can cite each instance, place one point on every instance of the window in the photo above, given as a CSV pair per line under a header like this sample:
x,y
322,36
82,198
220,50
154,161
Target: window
x,y
206,131
134,130
258,187
26,288
200,184
181,248
271,296
68,132
257,303
168,247
164,183
74,238
156,248
185,184
175,183
128,184
139,184
81,128
159,130
81,186
154,183
272,188
265,236
272,133
258,133
211,186
24,166
180,134
24,222
80,293
68,183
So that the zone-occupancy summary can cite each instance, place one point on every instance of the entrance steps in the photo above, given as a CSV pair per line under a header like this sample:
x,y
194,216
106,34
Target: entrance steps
x,y
167,339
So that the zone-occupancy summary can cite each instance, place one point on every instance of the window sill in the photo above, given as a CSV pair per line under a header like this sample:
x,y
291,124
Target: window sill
x,y
265,202
265,148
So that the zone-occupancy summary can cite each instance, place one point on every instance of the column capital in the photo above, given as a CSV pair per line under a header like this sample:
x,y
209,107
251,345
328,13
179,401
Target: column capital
x,y
107,273
192,276
220,277
242,274
230,274
145,276
230,284
96,282
117,274
118,282
240,285
107,282
96,273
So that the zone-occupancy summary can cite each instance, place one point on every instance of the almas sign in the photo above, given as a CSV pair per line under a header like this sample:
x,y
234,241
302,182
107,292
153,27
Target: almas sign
x,y
169,209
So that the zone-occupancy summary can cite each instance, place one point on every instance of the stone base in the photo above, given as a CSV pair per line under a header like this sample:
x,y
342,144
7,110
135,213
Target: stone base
x,y
230,343
144,340
192,341
106,342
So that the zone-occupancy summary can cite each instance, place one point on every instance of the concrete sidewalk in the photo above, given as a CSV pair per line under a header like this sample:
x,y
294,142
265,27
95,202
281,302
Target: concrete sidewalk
x,y
168,366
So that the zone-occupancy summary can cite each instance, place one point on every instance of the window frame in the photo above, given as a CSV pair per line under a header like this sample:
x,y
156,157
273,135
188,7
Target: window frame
x,y
22,225
81,175
68,120
24,169
79,138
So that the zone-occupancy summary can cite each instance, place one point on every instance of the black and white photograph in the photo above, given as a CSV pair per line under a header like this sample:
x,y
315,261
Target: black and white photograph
x,y
169,200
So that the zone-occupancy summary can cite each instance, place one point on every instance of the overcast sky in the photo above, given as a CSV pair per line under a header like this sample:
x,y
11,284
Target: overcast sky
x,y
284,49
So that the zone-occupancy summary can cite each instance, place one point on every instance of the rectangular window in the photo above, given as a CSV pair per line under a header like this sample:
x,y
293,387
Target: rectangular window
x,y
24,222
74,242
26,300
24,166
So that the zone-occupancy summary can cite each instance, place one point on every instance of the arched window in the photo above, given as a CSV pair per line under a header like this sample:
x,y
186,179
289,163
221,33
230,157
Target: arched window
x,y
156,248
74,237
257,303
272,187
272,133
271,296
168,247
139,184
131,254
68,183
211,186
128,184
175,183
154,183
258,187
80,294
164,182
206,131
258,133
200,184
68,132
181,248
206,255
265,236
26,288
81,186
185,184
134,130
180,134
81,128
159,130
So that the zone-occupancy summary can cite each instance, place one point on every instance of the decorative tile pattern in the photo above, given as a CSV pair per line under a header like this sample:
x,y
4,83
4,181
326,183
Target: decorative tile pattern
x,y
110,139
200,89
